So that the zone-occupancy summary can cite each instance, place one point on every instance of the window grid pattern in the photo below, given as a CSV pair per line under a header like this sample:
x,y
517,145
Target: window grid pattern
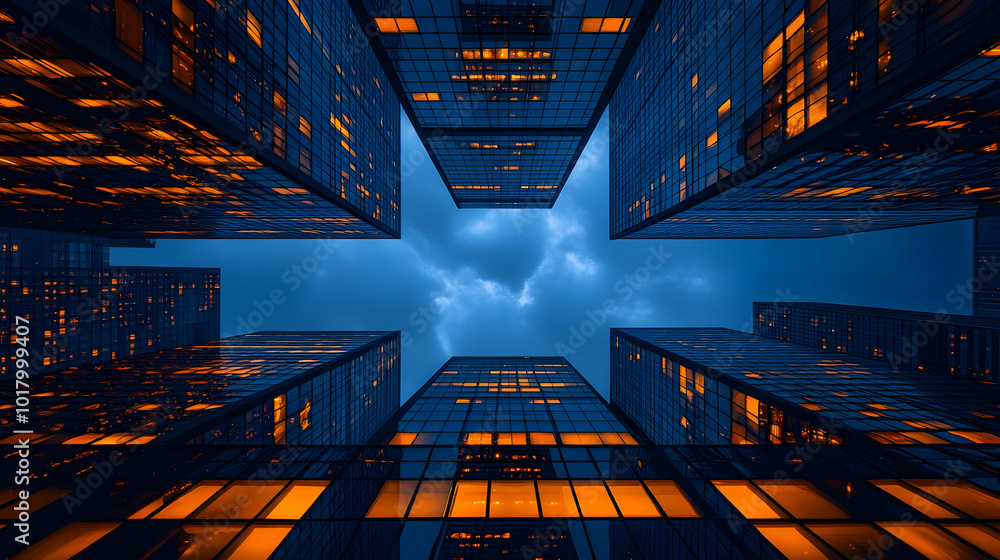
x,y
936,342
717,93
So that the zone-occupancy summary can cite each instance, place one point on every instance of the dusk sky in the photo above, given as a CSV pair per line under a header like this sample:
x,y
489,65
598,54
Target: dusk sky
x,y
525,282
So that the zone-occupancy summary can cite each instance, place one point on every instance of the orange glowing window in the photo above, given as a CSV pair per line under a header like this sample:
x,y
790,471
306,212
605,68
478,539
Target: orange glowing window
x,y
980,536
432,499
977,437
253,29
393,499
724,108
627,438
793,541
928,540
470,499
517,438
924,437
914,499
850,539
712,140
541,438
963,495
240,500
772,57
114,439
611,438
185,504
672,501
632,499
593,499
748,500
403,438
557,499
509,498
258,542
296,500
128,26
604,25
84,439
580,439
802,500
68,541
396,25
432,96
479,438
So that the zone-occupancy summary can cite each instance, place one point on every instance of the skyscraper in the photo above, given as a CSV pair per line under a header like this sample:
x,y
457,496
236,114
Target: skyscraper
x,y
505,95
83,311
196,119
717,386
805,119
936,342
266,388
511,458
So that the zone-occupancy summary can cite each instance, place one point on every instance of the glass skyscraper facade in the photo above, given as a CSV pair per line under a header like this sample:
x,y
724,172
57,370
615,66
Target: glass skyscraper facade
x,y
303,388
511,458
85,311
935,342
504,95
717,386
805,119
180,118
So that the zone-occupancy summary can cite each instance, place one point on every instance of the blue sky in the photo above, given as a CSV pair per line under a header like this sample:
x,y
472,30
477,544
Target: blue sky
x,y
532,282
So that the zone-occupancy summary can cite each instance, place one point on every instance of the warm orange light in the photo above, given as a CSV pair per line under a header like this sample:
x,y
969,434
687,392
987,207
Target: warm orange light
x,y
396,25
593,499
509,498
433,96
914,499
393,499
470,499
557,499
672,501
258,542
802,500
67,541
793,541
240,500
185,504
432,499
748,500
632,499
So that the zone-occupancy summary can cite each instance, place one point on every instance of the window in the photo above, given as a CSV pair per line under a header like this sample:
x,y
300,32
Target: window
x,y
128,24
183,46
396,25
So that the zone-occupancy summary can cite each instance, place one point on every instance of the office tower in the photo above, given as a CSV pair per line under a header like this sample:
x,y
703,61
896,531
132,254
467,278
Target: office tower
x,y
937,342
985,278
511,458
808,118
505,95
717,386
303,388
83,311
183,118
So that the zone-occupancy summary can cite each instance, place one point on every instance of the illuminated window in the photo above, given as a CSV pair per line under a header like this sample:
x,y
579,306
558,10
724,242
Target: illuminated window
x,y
850,539
632,499
393,499
432,499
185,504
538,438
712,140
470,499
259,541
512,439
672,501
914,499
963,495
279,418
396,25
604,25
305,127
183,45
240,500
928,540
426,96
593,499
802,500
793,541
979,536
580,439
724,108
748,500
296,500
68,541
402,438
253,29
128,27
510,498
557,499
